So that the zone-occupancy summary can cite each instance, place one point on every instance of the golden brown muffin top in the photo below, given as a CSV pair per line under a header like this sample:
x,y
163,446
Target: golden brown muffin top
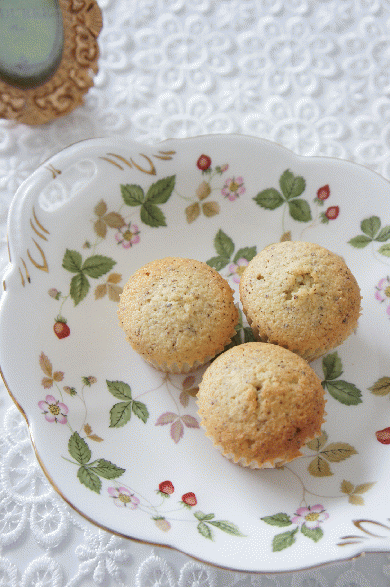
x,y
177,310
301,296
260,403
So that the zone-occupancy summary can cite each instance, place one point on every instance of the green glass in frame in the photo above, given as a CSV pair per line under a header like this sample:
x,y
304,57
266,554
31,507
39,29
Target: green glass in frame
x,y
31,41
48,55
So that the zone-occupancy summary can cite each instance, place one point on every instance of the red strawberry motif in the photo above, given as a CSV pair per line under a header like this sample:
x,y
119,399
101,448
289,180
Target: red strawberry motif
x,y
166,488
204,162
332,212
189,499
323,193
60,328
383,436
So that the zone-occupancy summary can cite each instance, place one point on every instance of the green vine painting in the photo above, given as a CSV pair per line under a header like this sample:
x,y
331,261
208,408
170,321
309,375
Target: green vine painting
x,y
293,201
92,271
91,471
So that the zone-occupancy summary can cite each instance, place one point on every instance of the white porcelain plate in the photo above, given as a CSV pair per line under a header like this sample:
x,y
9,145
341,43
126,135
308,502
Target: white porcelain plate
x,y
120,441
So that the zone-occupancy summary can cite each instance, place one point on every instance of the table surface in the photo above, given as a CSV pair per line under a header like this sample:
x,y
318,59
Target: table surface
x,y
312,75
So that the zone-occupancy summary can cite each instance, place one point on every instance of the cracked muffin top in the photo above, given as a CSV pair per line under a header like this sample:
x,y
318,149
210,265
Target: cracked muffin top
x,y
259,403
301,296
177,313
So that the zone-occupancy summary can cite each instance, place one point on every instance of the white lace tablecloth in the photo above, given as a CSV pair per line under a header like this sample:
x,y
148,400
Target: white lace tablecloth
x,y
312,75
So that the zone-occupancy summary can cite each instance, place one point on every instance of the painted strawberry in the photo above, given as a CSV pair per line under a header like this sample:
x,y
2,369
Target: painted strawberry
x,y
204,162
162,524
332,212
323,193
60,328
383,436
189,499
165,488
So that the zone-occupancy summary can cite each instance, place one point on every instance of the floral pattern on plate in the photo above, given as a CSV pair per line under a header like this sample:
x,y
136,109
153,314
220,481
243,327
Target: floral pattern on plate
x,y
90,472
123,436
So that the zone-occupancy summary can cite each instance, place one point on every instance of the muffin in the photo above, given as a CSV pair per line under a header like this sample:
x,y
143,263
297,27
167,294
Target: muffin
x,y
300,296
177,313
260,403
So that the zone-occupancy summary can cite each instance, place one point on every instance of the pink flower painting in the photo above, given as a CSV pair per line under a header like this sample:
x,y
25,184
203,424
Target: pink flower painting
x,y
382,293
233,188
310,516
128,236
123,498
54,410
237,269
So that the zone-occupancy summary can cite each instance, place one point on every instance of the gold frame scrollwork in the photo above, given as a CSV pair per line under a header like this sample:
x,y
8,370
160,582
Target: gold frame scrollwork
x,y
65,89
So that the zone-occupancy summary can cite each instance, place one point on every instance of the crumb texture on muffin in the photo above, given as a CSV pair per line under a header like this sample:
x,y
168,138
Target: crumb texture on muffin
x,y
260,403
177,313
301,296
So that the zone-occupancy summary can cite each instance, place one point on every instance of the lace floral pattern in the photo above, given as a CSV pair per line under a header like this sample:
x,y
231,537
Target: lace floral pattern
x,y
312,76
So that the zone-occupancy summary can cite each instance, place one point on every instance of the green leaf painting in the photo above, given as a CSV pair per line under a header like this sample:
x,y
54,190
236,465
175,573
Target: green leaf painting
x,y
360,241
208,519
161,191
120,390
106,469
97,265
89,473
89,479
151,215
218,262
79,449
300,210
247,253
385,250
79,286
227,527
140,410
371,226
314,534
332,366
158,193
205,530
384,234
93,267
225,249
132,195
223,244
281,519
72,261
201,516
342,391
372,231
291,187
120,413
284,540
269,199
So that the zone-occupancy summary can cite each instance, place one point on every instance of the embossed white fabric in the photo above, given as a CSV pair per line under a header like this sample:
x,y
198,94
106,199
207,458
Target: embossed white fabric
x,y
312,75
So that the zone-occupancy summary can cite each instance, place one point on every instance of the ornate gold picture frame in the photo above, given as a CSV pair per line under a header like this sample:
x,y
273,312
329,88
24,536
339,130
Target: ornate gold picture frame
x,y
64,90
